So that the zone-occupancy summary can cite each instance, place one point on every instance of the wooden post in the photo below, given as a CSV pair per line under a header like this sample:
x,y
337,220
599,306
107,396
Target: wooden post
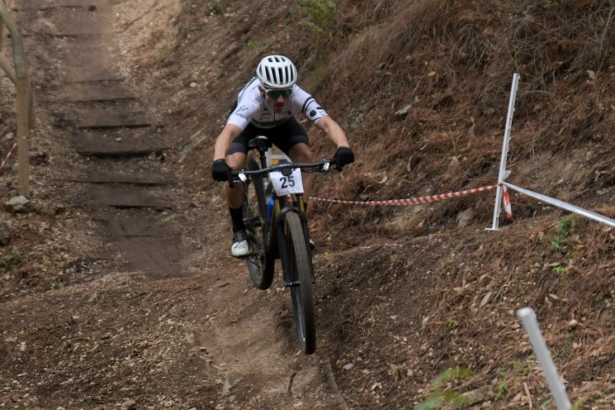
x,y
6,66
25,102
23,105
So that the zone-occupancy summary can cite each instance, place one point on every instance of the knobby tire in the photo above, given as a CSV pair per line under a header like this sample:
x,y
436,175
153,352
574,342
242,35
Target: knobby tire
x,y
260,264
301,283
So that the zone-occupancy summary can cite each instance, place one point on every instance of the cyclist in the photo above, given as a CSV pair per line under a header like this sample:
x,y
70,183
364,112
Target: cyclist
x,y
267,106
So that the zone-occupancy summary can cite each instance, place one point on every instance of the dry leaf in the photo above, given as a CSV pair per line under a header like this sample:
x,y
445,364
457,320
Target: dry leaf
x,y
485,299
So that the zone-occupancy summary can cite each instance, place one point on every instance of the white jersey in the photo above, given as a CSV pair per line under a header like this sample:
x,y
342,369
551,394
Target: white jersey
x,y
252,107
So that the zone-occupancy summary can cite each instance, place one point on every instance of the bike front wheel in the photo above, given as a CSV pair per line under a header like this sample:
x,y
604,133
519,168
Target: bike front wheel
x,y
300,275
260,263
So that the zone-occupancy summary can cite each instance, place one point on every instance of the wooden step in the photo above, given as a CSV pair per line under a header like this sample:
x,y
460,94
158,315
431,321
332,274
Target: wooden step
x,y
70,4
102,177
92,92
127,198
99,119
128,147
147,244
135,226
85,76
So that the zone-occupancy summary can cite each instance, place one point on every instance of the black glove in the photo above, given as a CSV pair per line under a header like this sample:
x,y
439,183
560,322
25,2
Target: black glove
x,y
221,171
343,156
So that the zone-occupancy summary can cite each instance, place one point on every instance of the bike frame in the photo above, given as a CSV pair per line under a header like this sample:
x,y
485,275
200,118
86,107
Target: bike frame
x,y
285,236
277,232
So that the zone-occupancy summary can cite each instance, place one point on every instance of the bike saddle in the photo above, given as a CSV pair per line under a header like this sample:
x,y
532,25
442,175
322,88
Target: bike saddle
x,y
260,142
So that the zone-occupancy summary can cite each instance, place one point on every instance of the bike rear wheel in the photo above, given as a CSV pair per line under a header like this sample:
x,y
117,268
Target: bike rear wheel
x,y
260,263
301,282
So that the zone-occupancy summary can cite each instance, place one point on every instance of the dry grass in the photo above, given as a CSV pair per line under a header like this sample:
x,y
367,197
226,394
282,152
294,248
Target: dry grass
x,y
453,63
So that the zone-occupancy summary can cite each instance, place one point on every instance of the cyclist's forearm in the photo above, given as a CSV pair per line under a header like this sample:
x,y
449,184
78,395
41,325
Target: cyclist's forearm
x,y
223,142
221,147
334,131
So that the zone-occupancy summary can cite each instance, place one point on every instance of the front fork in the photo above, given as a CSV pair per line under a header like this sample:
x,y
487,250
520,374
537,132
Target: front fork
x,y
282,237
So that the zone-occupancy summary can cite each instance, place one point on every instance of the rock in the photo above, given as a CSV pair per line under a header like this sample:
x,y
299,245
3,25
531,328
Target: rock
x,y
465,217
129,405
17,204
5,234
55,209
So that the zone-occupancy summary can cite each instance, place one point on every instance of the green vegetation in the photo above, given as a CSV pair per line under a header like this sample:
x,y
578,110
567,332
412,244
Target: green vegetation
x,y
564,228
252,45
559,269
13,259
438,397
502,390
219,7
321,11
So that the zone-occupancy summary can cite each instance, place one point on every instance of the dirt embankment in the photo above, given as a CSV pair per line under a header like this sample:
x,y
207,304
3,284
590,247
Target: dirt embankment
x,y
403,294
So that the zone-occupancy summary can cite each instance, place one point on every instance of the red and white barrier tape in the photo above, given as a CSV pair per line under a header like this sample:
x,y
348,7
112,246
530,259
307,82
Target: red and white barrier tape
x,y
8,156
426,199
507,206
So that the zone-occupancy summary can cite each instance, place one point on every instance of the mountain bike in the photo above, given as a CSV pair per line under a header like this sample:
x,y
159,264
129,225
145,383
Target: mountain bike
x,y
276,226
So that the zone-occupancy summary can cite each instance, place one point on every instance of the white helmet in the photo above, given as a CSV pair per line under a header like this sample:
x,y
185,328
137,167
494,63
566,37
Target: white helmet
x,y
276,72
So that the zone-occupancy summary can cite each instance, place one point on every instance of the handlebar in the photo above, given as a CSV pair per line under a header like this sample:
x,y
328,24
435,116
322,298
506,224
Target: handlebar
x,y
322,166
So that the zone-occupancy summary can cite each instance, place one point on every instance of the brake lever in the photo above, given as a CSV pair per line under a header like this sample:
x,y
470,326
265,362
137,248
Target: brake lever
x,y
325,166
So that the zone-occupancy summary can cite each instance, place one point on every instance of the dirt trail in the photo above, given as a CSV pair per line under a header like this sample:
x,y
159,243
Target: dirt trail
x,y
147,314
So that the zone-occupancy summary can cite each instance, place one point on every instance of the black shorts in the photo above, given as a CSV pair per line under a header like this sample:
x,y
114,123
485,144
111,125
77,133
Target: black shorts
x,y
284,136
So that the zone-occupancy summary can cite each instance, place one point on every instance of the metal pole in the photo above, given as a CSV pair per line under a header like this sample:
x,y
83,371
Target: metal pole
x,y
563,205
502,174
528,317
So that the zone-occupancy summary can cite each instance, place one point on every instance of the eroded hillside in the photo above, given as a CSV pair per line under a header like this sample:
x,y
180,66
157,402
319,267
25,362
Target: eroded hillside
x,y
403,293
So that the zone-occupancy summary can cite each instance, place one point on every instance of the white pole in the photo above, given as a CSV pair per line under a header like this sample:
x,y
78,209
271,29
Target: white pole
x,y
502,175
564,205
528,317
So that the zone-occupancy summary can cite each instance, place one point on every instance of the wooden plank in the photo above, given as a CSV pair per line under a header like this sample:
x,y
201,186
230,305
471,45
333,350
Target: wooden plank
x,y
147,244
74,34
23,91
92,92
135,226
104,120
120,151
70,4
85,76
102,177
126,198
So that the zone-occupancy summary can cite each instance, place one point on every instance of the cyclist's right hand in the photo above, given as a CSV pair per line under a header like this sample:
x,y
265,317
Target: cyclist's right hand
x,y
221,171
343,156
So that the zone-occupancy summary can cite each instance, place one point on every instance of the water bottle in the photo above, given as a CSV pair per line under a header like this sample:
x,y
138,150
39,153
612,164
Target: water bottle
x,y
269,209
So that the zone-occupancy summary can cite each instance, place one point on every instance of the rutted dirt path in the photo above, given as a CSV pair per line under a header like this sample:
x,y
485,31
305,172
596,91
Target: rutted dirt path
x,y
146,317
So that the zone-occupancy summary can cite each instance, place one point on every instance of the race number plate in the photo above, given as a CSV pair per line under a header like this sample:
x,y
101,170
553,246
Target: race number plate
x,y
285,185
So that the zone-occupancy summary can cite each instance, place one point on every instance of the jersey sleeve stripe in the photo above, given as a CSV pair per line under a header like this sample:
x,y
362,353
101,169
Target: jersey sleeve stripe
x,y
306,103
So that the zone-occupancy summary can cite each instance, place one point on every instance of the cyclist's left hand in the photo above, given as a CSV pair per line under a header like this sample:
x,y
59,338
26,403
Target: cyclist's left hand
x,y
221,171
343,156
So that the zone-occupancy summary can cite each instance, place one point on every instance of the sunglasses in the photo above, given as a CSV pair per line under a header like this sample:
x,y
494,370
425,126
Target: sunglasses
x,y
275,94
